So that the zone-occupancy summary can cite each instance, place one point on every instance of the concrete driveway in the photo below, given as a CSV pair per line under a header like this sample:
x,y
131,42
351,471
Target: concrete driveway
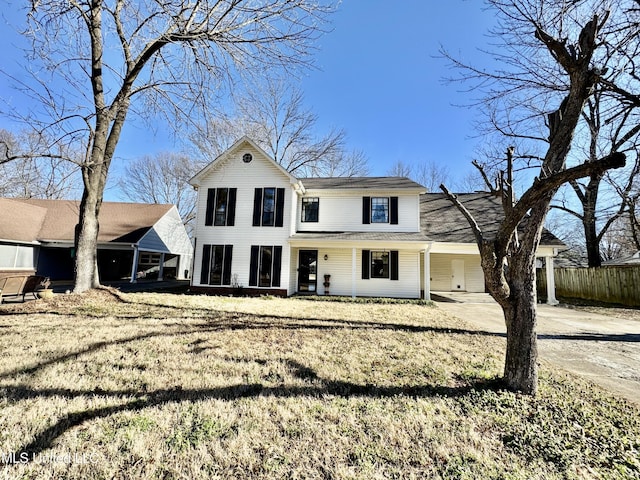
x,y
602,348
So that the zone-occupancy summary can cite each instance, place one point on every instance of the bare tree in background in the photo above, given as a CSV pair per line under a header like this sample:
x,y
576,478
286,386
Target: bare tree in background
x,y
273,115
162,178
31,175
553,61
98,61
610,127
428,174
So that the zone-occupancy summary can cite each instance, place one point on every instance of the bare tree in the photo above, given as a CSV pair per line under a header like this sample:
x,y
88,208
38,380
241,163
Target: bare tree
x,y
553,55
601,197
30,175
273,114
429,174
162,178
95,62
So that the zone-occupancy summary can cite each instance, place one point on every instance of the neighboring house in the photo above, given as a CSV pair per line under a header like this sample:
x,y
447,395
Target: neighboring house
x,y
629,260
260,228
135,240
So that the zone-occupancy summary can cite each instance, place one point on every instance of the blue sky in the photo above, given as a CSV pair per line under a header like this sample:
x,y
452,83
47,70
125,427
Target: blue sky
x,y
378,77
381,79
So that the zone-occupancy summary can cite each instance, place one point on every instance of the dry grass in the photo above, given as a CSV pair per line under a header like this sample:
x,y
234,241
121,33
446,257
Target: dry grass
x,y
110,385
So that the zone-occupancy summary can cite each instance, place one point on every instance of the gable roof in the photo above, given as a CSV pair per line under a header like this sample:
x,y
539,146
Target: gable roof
x,y
196,180
441,221
20,222
56,220
361,183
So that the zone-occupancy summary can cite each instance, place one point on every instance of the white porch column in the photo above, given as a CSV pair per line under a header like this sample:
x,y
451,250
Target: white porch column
x,y
551,282
353,273
134,265
161,267
427,273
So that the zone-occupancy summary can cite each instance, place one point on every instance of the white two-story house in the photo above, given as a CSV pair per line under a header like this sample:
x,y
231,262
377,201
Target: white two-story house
x,y
260,228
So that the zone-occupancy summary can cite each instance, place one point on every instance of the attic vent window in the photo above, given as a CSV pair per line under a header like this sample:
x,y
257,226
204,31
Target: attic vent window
x,y
247,157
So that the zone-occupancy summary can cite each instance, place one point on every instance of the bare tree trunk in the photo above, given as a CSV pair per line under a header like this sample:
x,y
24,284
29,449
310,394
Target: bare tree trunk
x,y
592,241
87,239
521,358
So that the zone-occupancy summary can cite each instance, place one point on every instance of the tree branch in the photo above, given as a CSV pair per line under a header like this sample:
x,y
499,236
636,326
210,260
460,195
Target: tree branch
x,y
477,232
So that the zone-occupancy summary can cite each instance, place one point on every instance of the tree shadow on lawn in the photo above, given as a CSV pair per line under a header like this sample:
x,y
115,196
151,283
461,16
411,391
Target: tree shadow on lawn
x,y
233,322
318,388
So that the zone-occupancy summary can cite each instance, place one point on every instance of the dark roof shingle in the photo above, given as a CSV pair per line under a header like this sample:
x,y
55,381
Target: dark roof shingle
x,y
441,220
56,220
378,183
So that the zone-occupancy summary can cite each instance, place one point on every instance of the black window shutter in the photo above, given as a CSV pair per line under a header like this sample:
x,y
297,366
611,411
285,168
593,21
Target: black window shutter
x,y
211,205
279,207
277,261
366,263
366,210
253,268
204,269
394,211
394,265
257,207
231,207
226,267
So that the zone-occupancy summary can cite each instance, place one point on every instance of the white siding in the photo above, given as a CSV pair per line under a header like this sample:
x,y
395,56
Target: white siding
x,y
339,266
441,272
343,212
234,173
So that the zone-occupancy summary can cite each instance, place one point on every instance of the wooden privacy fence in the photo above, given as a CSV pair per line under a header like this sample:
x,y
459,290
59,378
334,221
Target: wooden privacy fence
x,y
614,284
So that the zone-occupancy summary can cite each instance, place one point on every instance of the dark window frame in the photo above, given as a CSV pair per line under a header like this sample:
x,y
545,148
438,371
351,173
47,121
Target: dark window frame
x,y
268,211
258,268
306,201
216,264
367,210
221,207
369,267
380,263
374,211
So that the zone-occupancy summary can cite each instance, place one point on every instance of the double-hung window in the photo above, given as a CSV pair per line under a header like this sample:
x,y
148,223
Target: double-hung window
x,y
380,264
221,207
265,266
310,209
216,265
268,207
380,210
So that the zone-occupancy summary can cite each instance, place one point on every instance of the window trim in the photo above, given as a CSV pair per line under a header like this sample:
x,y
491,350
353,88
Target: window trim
x,y
212,216
259,205
311,200
383,254
393,269
367,210
256,266
206,265
386,209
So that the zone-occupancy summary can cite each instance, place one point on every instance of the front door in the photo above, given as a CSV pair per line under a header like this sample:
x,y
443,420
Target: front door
x,y
307,271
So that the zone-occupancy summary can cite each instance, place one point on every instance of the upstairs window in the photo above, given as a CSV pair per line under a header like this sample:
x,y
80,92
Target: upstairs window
x,y
268,207
380,210
221,207
310,209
